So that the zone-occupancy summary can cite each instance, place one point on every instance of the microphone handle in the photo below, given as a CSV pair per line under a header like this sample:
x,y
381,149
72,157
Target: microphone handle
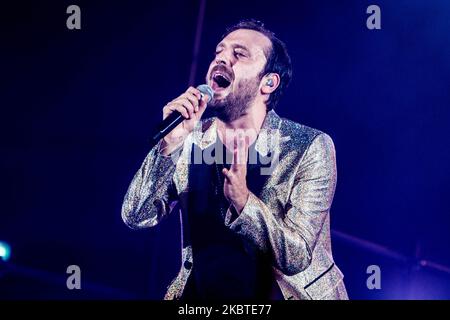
x,y
167,125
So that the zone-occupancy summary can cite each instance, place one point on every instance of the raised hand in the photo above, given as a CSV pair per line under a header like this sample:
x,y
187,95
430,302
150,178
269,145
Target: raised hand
x,y
235,184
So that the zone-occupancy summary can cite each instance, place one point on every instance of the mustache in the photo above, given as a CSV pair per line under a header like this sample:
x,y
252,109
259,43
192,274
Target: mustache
x,y
222,69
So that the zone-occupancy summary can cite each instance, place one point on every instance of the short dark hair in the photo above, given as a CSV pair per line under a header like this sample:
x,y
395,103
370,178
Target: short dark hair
x,y
278,60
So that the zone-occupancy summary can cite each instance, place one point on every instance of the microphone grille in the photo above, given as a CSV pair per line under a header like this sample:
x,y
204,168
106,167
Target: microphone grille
x,y
207,90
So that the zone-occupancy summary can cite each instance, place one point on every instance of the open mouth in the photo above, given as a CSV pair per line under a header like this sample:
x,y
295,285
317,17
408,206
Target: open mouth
x,y
220,80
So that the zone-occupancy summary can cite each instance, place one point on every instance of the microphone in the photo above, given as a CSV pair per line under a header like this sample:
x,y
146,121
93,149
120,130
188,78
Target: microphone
x,y
175,118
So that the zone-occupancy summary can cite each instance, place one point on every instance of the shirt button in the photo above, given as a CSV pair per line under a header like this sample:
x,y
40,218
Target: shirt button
x,y
188,265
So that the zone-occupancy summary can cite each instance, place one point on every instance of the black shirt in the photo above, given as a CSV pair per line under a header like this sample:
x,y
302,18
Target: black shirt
x,y
226,266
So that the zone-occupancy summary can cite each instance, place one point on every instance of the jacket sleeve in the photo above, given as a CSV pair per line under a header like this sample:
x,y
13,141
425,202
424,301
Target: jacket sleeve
x,y
290,236
151,192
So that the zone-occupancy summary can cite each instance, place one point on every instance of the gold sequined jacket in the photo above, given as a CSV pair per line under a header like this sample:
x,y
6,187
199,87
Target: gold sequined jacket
x,y
289,219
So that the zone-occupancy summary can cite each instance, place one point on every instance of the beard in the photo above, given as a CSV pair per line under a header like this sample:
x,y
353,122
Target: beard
x,y
236,103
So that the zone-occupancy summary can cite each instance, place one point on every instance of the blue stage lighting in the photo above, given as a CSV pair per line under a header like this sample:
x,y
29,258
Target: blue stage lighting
x,y
5,251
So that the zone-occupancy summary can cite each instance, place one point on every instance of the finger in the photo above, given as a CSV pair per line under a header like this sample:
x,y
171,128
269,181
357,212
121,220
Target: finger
x,y
178,107
228,175
203,102
240,156
235,164
170,108
202,98
243,149
193,99
195,92
240,150
187,104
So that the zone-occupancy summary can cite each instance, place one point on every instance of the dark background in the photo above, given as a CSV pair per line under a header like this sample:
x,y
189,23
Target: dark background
x,y
78,107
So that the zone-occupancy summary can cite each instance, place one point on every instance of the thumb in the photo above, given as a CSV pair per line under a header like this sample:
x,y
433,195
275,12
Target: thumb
x,y
227,174
203,103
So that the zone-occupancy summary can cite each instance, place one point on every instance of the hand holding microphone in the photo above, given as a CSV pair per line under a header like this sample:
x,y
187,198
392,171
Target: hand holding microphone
x,y
180,116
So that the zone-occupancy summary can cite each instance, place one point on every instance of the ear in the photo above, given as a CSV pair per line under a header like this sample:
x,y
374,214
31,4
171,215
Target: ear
x,y
270,83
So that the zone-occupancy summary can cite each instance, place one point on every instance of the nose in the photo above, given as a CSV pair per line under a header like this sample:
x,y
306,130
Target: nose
x,y
220,61
224,58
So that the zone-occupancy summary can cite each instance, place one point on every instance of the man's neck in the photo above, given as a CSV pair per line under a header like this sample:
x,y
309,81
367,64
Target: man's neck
x,y
249,123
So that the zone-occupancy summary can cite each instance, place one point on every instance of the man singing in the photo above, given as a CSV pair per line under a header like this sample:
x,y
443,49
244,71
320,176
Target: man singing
x,y
254,190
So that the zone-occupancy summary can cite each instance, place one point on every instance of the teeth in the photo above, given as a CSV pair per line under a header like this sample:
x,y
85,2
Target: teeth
x,y
222,75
